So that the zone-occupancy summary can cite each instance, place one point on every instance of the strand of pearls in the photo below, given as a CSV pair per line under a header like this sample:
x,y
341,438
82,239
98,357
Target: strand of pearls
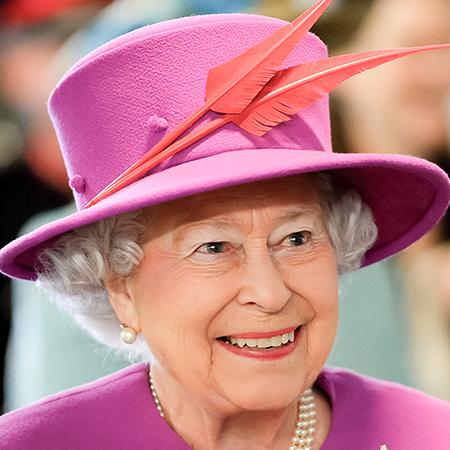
x,y
306,419
155,396
306,423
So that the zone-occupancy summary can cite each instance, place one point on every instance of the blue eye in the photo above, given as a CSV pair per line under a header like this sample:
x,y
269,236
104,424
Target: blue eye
x,y
214,247
299,238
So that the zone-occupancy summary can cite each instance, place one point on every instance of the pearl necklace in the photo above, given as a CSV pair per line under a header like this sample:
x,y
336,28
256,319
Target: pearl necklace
x,y
306,418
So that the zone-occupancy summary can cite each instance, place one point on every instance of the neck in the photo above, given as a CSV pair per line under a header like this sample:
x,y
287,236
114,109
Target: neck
x,y
214,423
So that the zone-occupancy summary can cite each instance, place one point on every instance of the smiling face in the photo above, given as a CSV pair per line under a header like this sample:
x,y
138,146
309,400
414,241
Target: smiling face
x,y
249,263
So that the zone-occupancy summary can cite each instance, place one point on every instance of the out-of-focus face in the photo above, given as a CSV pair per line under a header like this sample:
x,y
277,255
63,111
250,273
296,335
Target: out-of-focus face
x,y
421,84
239,265
407,99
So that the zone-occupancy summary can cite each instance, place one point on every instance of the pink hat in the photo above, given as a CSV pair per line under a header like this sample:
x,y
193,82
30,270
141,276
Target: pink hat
x,y
122,99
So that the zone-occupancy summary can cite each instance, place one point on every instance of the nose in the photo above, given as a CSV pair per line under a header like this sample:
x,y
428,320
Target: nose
x,y
262,284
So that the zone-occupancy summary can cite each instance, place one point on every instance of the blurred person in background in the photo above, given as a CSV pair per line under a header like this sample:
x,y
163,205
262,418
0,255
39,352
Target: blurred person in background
x,y
413,113
31,167
41,333
402,108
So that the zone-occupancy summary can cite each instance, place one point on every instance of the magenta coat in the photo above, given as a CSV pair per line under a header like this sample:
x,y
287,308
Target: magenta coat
x,y
118,412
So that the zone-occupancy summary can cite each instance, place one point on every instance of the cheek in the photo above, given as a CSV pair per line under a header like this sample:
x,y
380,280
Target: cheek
x,y
316,280
176,308
317,284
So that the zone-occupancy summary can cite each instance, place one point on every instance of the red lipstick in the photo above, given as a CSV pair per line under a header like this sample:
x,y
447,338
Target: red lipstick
x,y
263,335
267,354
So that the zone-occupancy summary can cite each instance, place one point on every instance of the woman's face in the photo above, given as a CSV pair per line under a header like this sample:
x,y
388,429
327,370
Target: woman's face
x,y
247,263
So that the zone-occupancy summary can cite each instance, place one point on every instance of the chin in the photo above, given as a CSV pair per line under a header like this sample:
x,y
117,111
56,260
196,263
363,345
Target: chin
x,y
263,392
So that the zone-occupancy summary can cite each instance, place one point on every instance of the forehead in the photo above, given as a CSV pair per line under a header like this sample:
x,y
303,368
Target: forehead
x,y
281,196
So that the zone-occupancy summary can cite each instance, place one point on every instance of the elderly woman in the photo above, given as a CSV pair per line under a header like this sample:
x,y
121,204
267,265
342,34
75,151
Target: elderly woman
x,y
215,255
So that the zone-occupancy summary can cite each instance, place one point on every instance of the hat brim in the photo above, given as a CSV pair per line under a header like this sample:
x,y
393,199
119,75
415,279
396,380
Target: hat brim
x,y
407,195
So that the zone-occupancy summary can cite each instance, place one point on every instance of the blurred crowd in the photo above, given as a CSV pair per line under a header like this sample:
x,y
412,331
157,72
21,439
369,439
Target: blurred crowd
x,y
402,333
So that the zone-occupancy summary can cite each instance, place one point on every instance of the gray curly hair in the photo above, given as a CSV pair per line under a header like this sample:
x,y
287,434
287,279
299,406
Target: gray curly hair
x,y
74,270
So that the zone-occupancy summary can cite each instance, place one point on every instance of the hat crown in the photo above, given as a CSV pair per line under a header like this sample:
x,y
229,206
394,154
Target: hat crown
x,y
120,100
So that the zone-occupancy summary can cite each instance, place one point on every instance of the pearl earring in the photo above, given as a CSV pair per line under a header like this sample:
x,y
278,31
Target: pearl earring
x,y
127,334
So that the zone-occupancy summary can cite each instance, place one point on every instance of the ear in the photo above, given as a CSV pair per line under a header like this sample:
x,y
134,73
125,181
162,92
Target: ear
x,y
123,302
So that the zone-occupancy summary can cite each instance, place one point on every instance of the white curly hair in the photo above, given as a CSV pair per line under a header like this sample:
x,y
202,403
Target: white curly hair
x,y
73,271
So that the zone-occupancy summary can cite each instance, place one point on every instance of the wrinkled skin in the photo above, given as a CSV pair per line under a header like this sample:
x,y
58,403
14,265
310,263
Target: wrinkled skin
x,y
271,266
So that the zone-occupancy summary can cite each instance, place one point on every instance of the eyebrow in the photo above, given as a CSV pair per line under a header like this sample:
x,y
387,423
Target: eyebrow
x,y
208,223
223,222
295,213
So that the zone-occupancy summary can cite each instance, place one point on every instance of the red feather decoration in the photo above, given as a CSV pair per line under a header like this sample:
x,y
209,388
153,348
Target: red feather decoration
x,y
232,86
300,86
289,91
244,76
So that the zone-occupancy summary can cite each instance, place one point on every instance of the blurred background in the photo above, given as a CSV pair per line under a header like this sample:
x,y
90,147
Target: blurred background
x,y
395,315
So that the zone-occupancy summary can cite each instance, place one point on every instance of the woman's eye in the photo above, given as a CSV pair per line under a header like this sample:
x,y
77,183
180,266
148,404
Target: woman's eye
x,y
212,247
298,238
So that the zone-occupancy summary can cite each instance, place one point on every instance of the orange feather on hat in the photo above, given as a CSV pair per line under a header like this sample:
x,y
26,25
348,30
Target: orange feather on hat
x,y
288,91
300,86
233,85
255,96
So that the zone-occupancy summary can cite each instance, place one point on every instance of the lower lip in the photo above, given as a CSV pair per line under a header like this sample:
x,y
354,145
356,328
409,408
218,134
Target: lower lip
x,y
269,354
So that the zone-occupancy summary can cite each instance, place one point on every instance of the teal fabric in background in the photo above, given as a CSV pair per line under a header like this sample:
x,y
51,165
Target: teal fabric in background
x,y
373,330
47,352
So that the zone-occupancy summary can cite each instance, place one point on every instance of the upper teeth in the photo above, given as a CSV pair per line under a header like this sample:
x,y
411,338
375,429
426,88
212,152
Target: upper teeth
x,y
275,341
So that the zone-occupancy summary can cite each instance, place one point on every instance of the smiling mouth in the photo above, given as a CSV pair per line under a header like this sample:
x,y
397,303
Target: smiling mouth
x,y
278,341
